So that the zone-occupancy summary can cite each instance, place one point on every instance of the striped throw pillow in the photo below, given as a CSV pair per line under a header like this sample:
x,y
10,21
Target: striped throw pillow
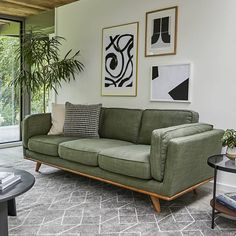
x,y
82,120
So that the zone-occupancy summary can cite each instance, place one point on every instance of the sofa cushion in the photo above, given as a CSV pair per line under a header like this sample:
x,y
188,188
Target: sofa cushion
x,y
85,151
47,144
58,118
82,120
120,123
132,160
156,119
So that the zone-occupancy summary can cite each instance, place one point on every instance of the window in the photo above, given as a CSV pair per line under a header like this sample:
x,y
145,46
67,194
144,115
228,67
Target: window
x,y
10,109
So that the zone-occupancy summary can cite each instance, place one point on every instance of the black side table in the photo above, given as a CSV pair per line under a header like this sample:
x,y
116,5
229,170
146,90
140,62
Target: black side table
x,y
223,163
7,197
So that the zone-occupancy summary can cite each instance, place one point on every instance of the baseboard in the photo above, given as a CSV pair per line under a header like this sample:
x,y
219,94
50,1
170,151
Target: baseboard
x,y
226,187
9,145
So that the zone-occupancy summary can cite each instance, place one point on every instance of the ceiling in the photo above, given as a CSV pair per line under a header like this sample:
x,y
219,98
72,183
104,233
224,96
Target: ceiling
x,y
25,8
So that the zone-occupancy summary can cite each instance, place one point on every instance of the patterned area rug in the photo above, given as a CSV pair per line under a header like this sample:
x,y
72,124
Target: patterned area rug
x,y
65,204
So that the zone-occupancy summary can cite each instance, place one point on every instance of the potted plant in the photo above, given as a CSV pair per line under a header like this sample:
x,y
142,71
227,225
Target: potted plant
x,y
43,68
229,140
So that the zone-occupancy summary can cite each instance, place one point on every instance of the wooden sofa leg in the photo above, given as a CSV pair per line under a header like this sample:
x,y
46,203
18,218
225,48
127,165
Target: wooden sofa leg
x,y
156,203
38,165
195,191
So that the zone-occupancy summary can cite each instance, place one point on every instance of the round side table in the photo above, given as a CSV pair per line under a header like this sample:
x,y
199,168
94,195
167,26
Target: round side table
x,y
7,197
223,163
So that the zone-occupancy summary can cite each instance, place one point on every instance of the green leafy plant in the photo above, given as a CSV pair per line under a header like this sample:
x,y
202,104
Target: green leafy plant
x,y
42,66
229,138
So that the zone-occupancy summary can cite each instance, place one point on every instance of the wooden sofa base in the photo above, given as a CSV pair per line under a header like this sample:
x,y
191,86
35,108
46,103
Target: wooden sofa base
x,y
155,198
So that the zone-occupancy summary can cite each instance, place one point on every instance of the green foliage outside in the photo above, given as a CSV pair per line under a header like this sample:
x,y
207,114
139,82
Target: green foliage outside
x,y
37,101
9,97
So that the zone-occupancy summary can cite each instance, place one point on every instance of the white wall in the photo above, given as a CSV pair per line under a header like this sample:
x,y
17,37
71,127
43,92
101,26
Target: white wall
x,y
206,38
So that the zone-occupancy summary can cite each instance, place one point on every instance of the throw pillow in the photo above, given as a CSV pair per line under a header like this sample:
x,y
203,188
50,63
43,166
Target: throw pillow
x,y
58,118
82,120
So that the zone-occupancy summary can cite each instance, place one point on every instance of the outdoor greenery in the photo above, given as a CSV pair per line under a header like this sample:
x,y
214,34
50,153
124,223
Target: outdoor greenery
x,y
9,96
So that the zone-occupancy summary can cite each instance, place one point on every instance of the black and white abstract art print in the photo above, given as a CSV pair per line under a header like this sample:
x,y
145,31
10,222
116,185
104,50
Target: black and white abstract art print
x,y
161,32
119,60
171,83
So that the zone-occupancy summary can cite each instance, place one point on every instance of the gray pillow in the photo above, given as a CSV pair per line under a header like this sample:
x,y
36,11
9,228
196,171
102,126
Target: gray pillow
x,y
82,120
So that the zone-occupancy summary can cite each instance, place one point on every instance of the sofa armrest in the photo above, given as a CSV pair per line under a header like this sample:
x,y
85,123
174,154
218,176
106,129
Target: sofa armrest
x,y
35,125
160,140
186,163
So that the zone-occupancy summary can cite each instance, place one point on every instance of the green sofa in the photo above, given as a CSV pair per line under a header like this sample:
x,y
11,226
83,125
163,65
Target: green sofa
x,y
162,153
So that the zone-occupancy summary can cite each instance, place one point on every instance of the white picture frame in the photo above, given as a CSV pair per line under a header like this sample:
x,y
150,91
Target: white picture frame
x,y
161,32
120,60
171,83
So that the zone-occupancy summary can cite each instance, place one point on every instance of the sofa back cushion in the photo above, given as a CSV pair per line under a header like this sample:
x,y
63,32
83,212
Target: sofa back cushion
x,y
157,119
120,123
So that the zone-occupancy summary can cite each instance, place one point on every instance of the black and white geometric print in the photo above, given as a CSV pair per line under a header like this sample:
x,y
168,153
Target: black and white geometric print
x,y
170,82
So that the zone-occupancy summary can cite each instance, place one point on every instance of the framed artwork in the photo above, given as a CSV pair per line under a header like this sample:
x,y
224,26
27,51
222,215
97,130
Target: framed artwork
x,y
119,60
171,83
161,32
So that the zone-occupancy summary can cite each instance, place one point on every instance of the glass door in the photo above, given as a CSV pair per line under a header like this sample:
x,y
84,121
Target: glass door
x,y
10,109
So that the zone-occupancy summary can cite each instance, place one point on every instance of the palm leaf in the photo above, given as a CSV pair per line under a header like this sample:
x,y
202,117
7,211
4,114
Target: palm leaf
x,y
42,66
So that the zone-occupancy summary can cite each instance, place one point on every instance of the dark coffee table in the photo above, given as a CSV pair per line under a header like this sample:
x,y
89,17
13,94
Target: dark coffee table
x,y
7,197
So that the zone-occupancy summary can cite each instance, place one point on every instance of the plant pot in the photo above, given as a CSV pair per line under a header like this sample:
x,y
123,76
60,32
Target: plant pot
x,y
231,153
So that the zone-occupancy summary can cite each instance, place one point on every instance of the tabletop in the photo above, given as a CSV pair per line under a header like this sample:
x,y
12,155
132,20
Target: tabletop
x,y
27,181
222,162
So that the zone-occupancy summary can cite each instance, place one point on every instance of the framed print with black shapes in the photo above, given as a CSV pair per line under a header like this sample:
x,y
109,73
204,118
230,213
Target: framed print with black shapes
x,y
161,32
171,83
120,60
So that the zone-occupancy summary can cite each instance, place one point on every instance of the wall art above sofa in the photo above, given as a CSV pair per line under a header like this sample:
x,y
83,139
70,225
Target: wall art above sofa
x,y
119,60
171,83
161,32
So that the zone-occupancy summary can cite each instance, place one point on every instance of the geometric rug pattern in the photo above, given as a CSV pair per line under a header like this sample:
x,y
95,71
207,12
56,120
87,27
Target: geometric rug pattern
x,y
64,204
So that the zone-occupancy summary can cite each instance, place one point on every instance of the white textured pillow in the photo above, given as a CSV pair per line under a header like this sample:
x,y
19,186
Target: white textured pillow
x,y
58,118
